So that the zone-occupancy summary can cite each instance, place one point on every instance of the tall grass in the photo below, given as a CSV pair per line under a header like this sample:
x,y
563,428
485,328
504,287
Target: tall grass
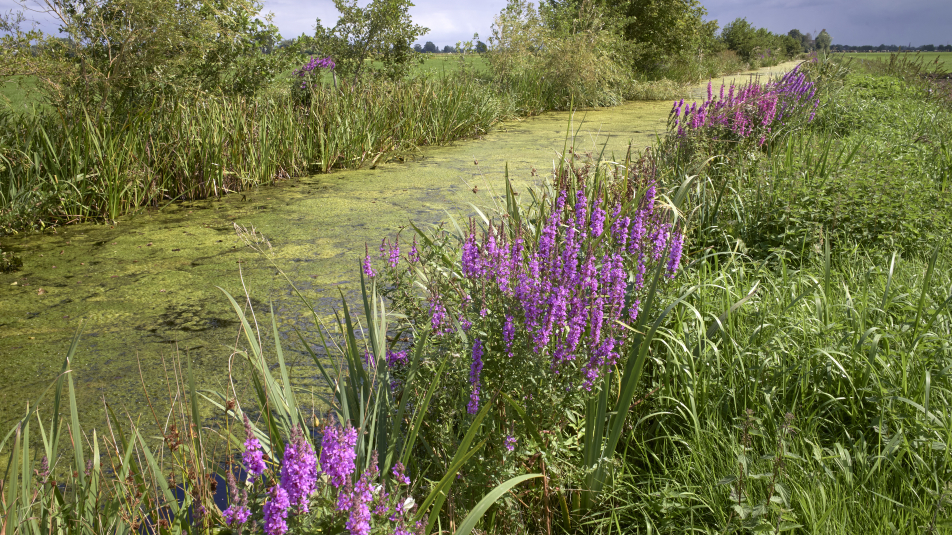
x,y
814,397
58,168
804,385
124,481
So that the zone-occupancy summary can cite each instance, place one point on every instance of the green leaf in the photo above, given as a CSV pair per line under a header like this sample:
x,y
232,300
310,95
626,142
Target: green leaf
x,y
468,523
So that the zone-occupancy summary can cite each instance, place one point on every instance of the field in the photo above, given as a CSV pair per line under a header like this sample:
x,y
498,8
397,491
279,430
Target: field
x,y
942,60
452,62
19,93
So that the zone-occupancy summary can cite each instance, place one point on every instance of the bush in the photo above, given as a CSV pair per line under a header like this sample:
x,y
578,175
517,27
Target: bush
x,y
554,69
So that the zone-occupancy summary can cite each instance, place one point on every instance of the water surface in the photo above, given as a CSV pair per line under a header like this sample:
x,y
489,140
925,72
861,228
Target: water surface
x,y
145,287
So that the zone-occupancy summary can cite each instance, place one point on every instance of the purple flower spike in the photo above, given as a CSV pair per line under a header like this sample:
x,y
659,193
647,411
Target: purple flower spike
x,y
299,470
397,359
475,371
399,475
674,255
276,511
253,457
368,265
357,501
395,253
338,454
236,515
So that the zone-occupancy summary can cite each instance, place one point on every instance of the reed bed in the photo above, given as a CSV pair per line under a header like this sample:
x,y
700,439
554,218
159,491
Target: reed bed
x,y
57,168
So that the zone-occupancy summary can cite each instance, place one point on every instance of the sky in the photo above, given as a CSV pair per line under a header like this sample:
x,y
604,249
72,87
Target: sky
x,y
849,22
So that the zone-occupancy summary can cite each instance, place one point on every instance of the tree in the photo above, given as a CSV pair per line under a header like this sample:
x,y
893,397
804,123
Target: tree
x,y
823,41
381,31
418,47
791,45
448,49
741,37
481,47
124,53
808,44
430,47
660,29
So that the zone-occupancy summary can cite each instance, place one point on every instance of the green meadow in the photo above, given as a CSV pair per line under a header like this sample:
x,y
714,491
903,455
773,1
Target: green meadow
x,y
932,60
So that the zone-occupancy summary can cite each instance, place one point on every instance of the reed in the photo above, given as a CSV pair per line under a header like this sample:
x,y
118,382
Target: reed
x,y
57,168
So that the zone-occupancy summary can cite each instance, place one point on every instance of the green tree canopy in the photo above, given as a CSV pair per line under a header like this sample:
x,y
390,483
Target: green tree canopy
x,y
127,52
650,32
381,31
823,41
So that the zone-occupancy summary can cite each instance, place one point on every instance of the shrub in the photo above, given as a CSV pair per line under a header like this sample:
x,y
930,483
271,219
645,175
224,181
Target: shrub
x,y
550,68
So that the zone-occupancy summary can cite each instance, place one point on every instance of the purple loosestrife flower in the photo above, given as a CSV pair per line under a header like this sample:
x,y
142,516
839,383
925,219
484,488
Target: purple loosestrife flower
x,y
299,470
510,443
236,514
508,333
598,221
395,253
276,511
470,259
397,358
356,499
399,474
437,314
368,265
338,453
674,255
413,255
475,371
253,457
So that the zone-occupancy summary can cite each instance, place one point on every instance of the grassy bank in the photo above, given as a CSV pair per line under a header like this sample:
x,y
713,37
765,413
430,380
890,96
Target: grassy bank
x,y
64,166
804,386
558,364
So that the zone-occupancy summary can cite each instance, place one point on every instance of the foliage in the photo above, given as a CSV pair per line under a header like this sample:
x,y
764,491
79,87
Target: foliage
x,y
194,149
374,40
863,175
537,314
653,40
359,483
794,375
569,65
784,396
823,41
758,46
742,117
122,54
663,31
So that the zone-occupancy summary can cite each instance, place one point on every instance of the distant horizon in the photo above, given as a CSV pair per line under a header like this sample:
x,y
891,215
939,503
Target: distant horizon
x,y
915,23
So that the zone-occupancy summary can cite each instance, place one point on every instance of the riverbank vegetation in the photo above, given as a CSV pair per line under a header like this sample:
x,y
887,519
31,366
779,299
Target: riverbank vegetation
x,y
111,117
745,328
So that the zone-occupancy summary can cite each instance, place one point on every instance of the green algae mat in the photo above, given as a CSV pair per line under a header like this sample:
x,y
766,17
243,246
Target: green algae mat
x,y
146,288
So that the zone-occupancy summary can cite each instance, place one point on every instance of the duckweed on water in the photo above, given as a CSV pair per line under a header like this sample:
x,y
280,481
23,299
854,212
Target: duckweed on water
x,y
146,286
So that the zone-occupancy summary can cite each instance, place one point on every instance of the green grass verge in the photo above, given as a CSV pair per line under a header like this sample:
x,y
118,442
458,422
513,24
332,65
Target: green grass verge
x,y
804,386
